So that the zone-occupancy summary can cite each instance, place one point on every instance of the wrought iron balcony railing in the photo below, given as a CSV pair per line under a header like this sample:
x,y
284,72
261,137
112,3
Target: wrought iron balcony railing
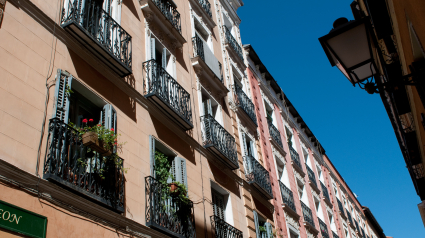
x,y
325,191
166,213
75,166
334,235
275,134
257,175
243,101
169,95
232,42
201,49
357,225
363,234
170,12
221,142
308,216
295,157
311,176
287,196
341,208
206,6
223,229
101,33
323,229
349,216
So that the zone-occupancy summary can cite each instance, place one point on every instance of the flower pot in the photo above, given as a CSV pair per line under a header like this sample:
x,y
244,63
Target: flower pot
x,y
90,139
174,189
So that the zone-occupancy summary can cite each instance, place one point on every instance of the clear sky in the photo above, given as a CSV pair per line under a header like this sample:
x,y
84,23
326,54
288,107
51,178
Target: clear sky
x,y
352,125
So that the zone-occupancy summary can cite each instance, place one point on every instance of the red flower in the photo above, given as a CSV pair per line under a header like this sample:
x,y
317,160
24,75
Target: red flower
x,y
84,120
90,120
112,129
115,143
99,125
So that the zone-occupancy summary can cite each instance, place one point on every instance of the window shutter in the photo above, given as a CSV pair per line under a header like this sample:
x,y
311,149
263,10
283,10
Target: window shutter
x,y
218,204
269,230
257,224
178,170
244,143
152,154
61,109
251,149
164,58
108,117
153,48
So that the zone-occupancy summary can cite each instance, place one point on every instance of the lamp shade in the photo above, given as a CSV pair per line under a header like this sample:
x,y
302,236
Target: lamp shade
x,y
349,47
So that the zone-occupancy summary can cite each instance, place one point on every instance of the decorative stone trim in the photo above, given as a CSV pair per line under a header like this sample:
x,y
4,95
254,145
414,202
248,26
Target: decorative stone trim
x,y
292,222
278,155
298,176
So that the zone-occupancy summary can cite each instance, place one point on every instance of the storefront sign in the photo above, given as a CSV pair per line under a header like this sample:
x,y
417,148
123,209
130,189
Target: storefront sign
x,y
22,221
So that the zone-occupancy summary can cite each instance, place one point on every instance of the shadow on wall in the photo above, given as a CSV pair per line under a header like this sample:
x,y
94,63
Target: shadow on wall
x,y
103,86
130,5
224,180
262,209
172,140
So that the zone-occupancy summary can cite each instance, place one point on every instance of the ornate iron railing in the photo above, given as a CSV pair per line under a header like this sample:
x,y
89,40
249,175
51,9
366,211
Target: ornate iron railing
x,y
287,196
101,27
275,134
311,176
349,216
341,208
206,6
170,12
295,156
198,50
167,213
215,135
243,101
164,86
357,225
232,42
70,163
325,191
223,229
323,229
308,216
334,235
256,173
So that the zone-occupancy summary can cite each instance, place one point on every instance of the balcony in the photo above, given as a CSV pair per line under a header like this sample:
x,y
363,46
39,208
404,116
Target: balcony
x,y
335,235
325,193
165,15
288,200
296,160
312,178
168,214
99,33
164,91
233,46
257,176
209,68
341,209
203,9
99,178
323,229
275,135
223,229
349,217
245,103
220,142
308,218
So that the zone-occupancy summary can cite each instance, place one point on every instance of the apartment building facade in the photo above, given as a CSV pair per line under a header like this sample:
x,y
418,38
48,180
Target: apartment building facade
x,y
149,119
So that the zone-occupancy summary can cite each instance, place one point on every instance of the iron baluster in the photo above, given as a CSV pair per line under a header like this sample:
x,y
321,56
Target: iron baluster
x,y
256,173
245,103
308,217
287,196
232,42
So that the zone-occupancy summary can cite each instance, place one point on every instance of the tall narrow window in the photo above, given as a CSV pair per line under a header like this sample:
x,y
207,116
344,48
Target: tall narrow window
x,y
162,56
218,205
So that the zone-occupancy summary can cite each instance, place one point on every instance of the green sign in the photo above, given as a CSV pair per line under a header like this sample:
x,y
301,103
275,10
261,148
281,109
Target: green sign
x,y
22,221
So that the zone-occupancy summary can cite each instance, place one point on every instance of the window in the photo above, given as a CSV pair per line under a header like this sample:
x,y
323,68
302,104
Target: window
x,y
210,107
162,56
306,157
293,235
335,189
290,138
218,205
249,145
262,227
319,210
332,222
270,113
319,172
221,202
302,192
282,173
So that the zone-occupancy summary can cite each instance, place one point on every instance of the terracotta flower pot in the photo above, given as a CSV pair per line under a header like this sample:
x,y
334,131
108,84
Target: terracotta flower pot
x,y
174,189
90,139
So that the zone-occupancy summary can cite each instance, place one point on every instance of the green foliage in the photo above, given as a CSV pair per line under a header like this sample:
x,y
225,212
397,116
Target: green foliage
x,y
262,228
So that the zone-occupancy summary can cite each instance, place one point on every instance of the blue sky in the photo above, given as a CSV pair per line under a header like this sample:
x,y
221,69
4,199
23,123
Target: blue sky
x,y
352,125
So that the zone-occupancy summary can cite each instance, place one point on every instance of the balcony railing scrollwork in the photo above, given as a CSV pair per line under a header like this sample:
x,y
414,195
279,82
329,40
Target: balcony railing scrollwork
x,y
223,229
232,42
166,213
325,191
170,96
341,208
221,142
308,216
334,235
100,33
170,12
311,176
287,196
257,175
206,6
244,102
349,217
275,134
71,164
323,229
201,49
295,157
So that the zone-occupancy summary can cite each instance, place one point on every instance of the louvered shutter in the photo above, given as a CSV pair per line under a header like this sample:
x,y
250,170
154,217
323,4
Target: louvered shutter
x,y
207,107
152,154
244,143
164,58
257,224
178,170
61,109
218,204
108,117
269,230
251,149
153,40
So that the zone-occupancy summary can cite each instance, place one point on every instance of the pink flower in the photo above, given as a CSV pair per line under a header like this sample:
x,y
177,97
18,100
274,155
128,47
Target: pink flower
x,y
90,120
84,120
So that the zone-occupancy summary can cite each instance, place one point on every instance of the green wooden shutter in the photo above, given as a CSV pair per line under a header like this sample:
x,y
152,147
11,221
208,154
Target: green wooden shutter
x,y
218,204
152,154
108,117
269,230
257,224
178,170
63,82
